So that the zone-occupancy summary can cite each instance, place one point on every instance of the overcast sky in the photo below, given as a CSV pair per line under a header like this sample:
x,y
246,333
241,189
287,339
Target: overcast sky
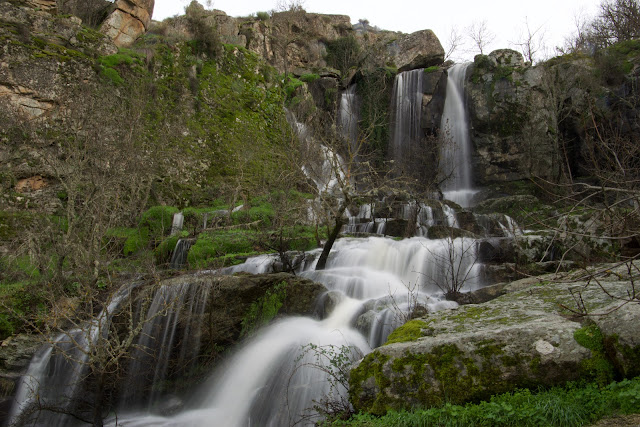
x,y
505,18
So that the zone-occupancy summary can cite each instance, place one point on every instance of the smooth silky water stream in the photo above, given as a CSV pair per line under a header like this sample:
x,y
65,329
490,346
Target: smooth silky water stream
x,y
269,381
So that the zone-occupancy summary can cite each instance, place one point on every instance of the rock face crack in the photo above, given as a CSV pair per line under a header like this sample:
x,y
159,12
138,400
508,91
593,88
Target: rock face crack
x,y
26,100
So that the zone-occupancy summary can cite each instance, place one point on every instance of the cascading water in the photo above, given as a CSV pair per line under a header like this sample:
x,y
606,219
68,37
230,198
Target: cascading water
x,y
180,252
348,116
324,166
406,108
270,382
55,376
456,150
156,345
377,283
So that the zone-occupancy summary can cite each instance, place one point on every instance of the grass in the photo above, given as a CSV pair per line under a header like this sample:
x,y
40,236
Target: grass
x,y
573,405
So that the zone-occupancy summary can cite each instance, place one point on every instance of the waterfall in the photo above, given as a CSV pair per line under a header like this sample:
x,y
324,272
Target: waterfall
x,y
271,380
179,255
348,116
176,224
56,373
456,150
406,108
324,166
174,316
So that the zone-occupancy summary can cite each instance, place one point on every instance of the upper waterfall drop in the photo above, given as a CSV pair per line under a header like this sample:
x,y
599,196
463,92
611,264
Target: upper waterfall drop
x,y
406,108
456,150
348,117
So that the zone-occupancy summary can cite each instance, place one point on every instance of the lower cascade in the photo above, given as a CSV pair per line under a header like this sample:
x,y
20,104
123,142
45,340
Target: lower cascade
x,y
273,379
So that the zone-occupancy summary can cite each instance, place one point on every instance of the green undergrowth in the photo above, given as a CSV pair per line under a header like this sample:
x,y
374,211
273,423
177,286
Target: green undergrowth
x,y
576,404
598,367
111,65
21,297
264,309
216,245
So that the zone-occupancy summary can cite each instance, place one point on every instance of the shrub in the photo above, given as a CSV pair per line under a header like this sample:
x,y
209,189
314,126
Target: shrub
x,y
343,53
213,245
158,221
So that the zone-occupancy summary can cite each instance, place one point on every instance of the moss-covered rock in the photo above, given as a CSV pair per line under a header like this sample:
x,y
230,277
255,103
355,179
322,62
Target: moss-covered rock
x,y
520,338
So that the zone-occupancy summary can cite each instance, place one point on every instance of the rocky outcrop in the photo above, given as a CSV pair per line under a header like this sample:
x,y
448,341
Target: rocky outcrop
x,y
621,340
421,49
128,21
524,338
509,118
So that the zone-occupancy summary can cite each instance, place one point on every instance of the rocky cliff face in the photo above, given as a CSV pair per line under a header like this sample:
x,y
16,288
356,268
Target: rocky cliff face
x,y
298,42
510,124
122,20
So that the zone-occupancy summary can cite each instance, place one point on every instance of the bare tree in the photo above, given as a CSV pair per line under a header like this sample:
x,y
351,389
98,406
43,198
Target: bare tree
x,y
453,43
481,35
531,42
456,260
617,20
579,39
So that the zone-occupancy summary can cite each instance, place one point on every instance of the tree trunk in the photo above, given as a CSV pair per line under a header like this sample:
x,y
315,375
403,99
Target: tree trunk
x,y
322,261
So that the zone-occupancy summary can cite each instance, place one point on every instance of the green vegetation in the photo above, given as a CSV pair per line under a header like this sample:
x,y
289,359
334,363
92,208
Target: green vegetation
x,y
265,309
263,16
574,405
374,90
343,54
309,78
410,331
219,246
598,367
124,59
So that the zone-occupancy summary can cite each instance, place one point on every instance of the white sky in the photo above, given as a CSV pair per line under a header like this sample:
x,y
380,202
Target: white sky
x,y
505,18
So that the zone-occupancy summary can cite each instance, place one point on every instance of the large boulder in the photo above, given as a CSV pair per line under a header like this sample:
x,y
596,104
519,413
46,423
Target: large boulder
x,y
620,330
421,49
524,338
128,21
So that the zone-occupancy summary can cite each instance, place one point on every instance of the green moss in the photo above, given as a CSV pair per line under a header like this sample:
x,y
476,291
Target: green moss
x,y
129,240
265,309
158,220
212,247
455,375
370,367
410,331
112,75
431,69
263,213
291,86
168,245
598,367
309,78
